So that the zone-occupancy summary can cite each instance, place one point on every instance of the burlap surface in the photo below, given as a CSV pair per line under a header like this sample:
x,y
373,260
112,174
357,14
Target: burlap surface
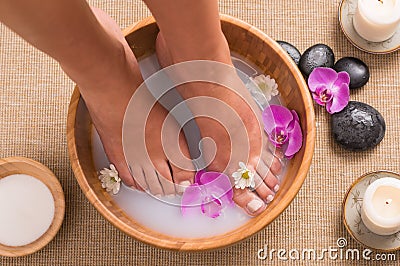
x,y
34,96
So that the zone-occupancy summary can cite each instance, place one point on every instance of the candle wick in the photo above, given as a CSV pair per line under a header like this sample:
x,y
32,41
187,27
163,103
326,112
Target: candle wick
x,y
388,201
381,1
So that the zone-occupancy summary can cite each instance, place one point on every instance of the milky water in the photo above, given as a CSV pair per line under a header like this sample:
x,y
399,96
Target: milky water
x,y
26,209
163,214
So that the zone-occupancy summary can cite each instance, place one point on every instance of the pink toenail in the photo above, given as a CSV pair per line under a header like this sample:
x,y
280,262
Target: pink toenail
x,y
254,205
276,188
270,198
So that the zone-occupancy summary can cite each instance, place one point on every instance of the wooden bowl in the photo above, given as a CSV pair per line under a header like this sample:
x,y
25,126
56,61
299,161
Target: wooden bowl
x,y
20,165
256,47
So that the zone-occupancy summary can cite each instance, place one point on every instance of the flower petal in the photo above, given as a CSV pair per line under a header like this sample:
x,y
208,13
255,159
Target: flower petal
x,y
218,185
278,136
295,118
258,79
191,198
340,100
198,175
253,184
236,175
295,140
276,116
209,177
321,76
212,207
317,99
259,97
295,115
116,188
343,77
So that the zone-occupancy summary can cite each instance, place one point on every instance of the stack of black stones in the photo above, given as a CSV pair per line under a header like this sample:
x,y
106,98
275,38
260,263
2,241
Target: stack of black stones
x,y
358,126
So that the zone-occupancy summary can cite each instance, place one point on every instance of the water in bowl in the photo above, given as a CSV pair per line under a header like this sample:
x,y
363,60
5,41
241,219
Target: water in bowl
x,y
163,214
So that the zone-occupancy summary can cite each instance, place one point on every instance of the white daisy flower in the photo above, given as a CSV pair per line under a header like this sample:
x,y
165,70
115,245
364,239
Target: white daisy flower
x,y
243,177
267,85
110,180
257,95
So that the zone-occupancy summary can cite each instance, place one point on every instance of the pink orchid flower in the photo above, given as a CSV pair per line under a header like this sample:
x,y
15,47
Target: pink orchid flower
x,y
283,129
210,194
330,89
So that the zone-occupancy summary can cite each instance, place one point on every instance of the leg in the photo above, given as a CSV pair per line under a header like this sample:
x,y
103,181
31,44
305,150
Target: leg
x,y
92,51
191,30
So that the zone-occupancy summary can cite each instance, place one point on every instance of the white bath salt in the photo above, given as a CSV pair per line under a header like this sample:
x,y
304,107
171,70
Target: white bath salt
x,y
26,209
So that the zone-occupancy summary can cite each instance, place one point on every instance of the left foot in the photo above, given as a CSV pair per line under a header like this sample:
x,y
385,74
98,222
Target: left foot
x,y
107,94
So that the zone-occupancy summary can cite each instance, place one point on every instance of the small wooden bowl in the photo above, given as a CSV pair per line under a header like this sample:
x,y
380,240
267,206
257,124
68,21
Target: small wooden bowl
x,y
21,165
256,47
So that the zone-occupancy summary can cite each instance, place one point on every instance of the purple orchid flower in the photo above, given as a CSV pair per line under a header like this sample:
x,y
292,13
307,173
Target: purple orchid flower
x,y
283,129
330,89
210,194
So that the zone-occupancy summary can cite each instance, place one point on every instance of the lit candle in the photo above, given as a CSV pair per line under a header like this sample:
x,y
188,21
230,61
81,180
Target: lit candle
x,y
380,210
377,20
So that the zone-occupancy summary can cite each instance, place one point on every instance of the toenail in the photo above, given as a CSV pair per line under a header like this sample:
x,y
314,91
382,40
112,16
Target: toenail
x,y
270,198
276,188
157,195
170,196
183,185
254,205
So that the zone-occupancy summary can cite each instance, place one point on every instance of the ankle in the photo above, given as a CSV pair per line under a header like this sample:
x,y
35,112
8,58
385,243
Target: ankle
x,y
98,70
215,49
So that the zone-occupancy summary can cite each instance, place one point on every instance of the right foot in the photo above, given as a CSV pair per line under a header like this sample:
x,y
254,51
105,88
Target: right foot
x,y
245,131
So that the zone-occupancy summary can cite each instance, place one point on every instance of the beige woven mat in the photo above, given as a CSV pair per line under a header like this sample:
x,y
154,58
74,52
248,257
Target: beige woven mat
x,y
34,95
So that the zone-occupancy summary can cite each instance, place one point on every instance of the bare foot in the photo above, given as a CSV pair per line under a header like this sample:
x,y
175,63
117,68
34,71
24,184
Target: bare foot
x,y
227,131
107,95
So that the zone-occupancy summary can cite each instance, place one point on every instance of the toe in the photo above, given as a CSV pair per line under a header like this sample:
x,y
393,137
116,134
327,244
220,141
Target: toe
x,y
182,178
138,175
124,174
165,178
153,183
263,191
278,153
272,162
248,201
269,178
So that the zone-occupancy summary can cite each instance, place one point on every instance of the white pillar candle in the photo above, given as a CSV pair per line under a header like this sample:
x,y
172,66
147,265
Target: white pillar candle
x,y
377,20
26,209
380,210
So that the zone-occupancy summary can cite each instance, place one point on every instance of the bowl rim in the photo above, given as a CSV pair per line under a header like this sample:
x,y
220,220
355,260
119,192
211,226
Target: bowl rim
x,y
22,165
232,237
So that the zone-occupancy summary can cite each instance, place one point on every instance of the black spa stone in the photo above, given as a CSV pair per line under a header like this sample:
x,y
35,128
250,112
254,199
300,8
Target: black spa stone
x,y
319,55
358,127
293,52
357,69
